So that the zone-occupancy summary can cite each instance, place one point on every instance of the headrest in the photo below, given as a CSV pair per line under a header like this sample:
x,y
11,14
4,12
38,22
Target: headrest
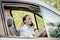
x,y
9,22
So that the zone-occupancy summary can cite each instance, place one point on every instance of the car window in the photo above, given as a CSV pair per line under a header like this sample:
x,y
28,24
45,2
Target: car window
x,y
40,22
52,21
37,21
18,17
40,25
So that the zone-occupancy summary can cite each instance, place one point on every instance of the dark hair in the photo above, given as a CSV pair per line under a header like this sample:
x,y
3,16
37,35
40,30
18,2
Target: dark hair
x,y
24,18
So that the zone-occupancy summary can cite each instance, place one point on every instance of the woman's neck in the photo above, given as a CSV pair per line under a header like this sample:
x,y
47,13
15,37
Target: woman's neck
x,y
27,25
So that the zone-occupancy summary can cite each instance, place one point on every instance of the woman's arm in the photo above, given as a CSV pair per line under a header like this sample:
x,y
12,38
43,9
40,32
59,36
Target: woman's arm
x,y
39,33
23,34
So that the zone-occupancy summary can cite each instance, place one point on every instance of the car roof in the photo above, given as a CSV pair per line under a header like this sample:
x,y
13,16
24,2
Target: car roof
x,y
36,2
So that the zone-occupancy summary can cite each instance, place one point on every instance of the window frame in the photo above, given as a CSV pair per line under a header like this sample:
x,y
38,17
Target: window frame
x,y
3,7
36,19
34,14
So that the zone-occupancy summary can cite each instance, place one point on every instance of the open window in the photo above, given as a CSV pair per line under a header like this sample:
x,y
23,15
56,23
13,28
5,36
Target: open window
x,y
36,19
18,16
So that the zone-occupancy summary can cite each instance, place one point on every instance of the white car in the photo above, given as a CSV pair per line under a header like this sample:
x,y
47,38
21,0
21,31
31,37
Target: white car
x,y
50,16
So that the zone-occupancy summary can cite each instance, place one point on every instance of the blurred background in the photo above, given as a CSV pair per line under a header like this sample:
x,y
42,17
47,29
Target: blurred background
x,y
53,3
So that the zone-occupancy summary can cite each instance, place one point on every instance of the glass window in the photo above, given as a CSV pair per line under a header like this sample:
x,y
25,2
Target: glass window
x,y
40,25
52,21
40,22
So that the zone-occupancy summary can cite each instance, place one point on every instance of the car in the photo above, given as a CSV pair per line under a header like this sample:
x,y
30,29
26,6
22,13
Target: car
x,y
43,11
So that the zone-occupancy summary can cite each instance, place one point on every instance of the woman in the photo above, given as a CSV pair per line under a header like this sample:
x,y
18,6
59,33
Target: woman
x,y
28,28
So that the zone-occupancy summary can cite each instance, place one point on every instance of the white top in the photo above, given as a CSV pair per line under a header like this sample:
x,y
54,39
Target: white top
x,y
30,32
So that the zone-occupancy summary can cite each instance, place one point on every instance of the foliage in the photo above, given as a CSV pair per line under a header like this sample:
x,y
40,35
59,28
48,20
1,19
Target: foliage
x,y
54,3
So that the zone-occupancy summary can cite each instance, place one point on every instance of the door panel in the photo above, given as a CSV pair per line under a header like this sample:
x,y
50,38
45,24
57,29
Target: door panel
x,y
8,20
1,25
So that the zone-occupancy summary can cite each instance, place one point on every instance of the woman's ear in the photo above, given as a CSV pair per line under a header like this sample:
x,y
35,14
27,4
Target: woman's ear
x,y
24,22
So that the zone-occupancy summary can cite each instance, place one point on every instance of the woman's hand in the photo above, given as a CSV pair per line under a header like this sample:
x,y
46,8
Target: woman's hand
x,y
39,33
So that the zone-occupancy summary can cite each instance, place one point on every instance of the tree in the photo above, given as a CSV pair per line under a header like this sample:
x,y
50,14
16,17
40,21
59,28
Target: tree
x,y
54,3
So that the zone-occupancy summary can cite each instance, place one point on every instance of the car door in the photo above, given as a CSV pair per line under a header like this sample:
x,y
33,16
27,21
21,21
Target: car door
x,y
52,21
50,17
13,13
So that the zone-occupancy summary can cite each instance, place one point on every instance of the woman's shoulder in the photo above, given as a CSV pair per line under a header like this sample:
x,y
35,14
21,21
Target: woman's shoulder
x,y
24,27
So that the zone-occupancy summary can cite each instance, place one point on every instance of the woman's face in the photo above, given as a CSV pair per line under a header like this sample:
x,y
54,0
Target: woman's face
x,y
28,20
